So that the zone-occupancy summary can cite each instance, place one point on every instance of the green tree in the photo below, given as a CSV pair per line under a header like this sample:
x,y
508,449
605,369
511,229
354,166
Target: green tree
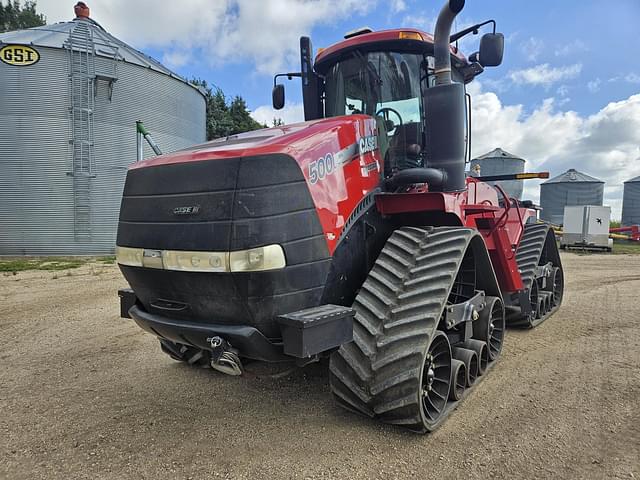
x,y
225,118
15,17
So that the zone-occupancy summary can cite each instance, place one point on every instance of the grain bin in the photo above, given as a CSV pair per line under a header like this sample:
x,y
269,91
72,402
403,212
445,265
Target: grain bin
x,y
569,188
498,162
631,202
71,94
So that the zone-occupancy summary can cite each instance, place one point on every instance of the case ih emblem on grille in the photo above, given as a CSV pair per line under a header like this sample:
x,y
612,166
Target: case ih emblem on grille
x,y
190,210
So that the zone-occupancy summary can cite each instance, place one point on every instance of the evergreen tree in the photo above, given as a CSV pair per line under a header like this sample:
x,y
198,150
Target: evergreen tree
x,y
224,118
15,17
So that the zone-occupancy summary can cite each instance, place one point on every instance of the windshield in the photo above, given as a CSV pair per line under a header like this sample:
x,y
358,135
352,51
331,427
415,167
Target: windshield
x,y
367,82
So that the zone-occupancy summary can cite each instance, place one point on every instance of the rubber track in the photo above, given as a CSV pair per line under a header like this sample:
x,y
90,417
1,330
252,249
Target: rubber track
x,y
528,257
397,311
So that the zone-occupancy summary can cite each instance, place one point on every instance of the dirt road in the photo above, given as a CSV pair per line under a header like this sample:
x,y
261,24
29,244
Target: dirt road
x,y
85,394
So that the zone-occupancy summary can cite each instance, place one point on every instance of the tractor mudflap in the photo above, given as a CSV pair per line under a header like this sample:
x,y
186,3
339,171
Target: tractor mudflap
x,y
405,354
539,263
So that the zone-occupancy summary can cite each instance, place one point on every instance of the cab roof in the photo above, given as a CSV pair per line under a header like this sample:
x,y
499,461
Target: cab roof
x,y
401,38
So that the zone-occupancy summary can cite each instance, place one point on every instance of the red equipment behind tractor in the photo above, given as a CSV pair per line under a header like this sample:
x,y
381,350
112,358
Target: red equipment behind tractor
x,y
355,235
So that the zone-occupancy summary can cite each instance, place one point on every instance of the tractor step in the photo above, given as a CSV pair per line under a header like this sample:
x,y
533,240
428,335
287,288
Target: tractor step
x,y
315,330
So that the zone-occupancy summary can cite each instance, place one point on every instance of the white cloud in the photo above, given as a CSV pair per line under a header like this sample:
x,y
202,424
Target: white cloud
x,y
594,85
398,6
604,145
629,78
544,74
532,48
291,113
571,48
422,22
632,78
264,32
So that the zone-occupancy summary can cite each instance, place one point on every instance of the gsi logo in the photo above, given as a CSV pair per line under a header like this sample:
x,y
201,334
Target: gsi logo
x,y
19,55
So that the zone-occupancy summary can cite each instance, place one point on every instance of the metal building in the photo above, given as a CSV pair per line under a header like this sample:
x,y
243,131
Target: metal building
x,y
499,162
70,94
570,188
631,202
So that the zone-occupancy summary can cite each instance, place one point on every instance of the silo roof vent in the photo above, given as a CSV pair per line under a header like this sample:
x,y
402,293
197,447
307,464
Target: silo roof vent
x,y
81,10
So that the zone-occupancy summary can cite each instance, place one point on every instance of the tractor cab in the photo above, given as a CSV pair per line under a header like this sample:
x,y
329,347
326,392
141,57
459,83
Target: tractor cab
x,y
386,75
386,85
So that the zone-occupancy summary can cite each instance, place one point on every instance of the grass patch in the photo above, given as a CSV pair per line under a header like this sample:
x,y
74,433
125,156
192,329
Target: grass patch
x,y
45,263
622,247
107,260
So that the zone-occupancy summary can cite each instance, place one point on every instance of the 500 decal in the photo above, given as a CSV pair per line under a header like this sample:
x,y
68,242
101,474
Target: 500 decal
x,y
321,168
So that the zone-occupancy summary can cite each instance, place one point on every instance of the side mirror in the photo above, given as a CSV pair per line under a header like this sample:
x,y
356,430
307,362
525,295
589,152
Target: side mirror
x,y
277,96
491,49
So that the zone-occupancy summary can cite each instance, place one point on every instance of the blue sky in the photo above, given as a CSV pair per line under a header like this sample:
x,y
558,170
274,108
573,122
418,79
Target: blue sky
x,y
592,41
566,96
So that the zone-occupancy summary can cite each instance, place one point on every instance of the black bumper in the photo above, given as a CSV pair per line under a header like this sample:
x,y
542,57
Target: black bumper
x,y
305,333
248,340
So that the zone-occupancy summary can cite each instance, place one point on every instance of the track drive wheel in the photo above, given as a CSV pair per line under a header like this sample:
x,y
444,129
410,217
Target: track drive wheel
x,y
187,354
398,367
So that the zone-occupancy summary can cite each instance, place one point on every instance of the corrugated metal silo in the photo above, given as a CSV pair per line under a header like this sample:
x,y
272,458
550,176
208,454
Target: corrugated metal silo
x,y
631,202
569,188
68,134
499,162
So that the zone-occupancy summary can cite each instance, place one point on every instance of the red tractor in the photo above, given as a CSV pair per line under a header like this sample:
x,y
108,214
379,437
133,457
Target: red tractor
x,y
355,235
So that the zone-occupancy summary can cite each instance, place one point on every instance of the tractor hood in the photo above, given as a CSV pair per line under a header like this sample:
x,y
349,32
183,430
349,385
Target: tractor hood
x,y
338,158
293,189
296,140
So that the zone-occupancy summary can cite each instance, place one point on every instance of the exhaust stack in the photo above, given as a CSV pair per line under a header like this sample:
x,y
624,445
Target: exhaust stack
x,y
445,107
442,35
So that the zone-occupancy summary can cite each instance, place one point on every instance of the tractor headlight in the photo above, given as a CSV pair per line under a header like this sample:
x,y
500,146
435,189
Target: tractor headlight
x,y
129,256
195,261
270,257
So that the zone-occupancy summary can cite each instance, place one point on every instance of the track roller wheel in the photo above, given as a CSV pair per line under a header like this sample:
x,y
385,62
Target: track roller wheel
x,y
470,360
557,286
490,326
436,378
534,299
187,354
458,379
481,350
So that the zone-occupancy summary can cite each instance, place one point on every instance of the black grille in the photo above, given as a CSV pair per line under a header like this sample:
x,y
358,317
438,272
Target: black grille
x,y
239,203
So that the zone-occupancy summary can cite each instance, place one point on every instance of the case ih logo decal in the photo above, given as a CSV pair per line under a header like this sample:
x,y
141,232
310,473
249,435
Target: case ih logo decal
x,y
19,55
190,210
367,144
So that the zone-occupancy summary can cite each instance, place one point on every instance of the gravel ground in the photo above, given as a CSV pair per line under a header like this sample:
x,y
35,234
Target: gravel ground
x,y
85,394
